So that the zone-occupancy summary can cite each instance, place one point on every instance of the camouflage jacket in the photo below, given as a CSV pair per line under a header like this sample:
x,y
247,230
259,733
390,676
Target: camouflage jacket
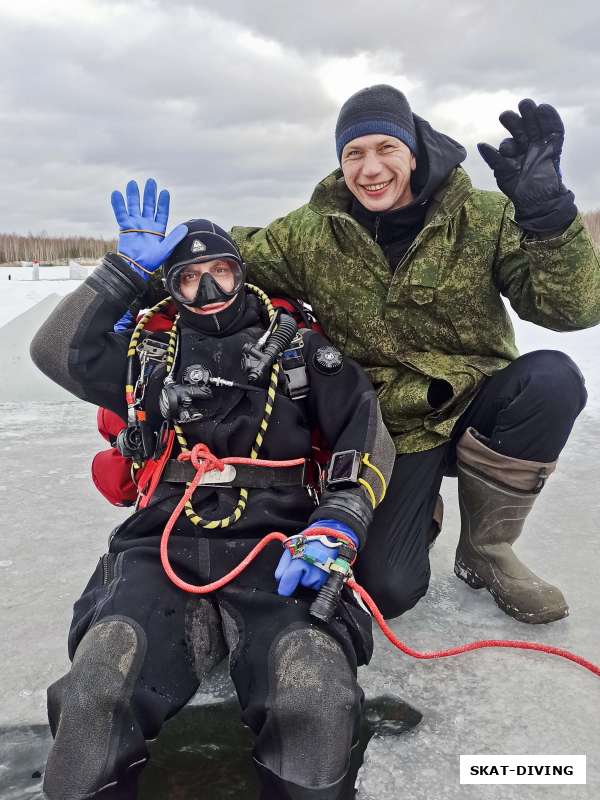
x,y
440,314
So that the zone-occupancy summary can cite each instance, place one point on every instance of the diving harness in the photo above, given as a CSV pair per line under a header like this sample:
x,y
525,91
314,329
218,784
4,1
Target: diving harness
x,y
280,342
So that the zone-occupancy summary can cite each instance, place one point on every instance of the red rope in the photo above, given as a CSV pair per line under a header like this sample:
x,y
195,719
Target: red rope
x,y
204,460
465,648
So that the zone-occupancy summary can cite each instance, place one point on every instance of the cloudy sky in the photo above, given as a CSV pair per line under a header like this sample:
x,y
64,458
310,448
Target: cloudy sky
x,y
232,104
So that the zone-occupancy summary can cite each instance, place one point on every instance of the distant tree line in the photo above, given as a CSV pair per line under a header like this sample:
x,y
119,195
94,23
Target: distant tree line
x,y
45,248
592,220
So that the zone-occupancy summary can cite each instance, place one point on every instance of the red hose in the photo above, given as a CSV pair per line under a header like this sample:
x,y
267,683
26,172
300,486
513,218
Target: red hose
x,y
203,460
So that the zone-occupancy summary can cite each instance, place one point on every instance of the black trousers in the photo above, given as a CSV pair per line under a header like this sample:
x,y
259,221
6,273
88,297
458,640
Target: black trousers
x,y
527,410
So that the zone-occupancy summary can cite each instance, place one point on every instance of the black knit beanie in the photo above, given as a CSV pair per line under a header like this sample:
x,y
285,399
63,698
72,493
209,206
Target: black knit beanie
x,y
376,109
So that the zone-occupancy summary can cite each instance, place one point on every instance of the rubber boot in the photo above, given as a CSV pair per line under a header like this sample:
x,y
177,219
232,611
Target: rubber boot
x,y
496,493
99,748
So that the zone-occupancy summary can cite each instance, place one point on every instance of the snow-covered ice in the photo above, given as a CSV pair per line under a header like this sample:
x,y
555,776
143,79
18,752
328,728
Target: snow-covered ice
x,y
19,292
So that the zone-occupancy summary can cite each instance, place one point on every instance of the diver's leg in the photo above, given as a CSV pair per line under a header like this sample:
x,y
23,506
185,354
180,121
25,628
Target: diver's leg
x,y
297,686
134,665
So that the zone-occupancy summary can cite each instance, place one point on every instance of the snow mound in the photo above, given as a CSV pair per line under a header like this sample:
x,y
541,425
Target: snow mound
x,y
22,379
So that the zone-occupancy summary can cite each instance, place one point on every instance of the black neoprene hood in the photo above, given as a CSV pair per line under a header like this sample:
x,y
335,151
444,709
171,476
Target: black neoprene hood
x,y
205,241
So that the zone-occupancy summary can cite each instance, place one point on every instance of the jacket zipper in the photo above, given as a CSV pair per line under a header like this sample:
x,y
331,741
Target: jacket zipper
x,y
108,568
410,250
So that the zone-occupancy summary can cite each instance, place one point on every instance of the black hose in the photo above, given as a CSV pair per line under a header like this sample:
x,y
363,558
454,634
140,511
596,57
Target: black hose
x,y
277,342
281,338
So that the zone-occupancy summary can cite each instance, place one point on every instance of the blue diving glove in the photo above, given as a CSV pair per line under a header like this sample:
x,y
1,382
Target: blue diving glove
x,y
142,241
292,572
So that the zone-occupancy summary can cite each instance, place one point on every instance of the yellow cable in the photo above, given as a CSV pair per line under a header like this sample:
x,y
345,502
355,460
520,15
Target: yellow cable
x,y
192,516
370,491
367,463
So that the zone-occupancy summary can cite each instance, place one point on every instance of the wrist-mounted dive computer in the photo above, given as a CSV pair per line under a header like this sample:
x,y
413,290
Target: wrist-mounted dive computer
x,y
343,470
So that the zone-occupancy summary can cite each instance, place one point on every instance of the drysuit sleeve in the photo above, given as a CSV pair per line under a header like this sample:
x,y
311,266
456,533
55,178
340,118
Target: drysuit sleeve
x,y
344,405
553,281
76,346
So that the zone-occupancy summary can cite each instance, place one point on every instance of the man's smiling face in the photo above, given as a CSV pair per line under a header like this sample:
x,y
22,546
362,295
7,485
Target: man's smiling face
x,y
377,170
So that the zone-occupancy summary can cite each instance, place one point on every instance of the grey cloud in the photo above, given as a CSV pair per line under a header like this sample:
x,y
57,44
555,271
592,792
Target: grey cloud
x,y
549,50
80,118
461,42
243,134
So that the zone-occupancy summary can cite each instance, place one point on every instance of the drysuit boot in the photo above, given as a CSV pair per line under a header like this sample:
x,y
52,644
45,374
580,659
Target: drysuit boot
x,y
496,493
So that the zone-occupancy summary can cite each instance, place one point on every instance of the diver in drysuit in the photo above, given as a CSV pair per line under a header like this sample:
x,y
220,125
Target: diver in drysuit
x,y
139,645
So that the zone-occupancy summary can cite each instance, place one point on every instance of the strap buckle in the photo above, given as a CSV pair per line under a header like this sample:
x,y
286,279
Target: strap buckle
x,y
152,349
215,477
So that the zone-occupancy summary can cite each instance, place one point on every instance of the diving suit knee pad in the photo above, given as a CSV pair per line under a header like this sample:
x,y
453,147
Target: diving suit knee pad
x,y
97,740
274,787
314,708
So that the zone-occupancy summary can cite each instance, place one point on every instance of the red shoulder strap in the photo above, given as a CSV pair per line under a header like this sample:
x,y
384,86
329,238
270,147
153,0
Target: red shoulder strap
x,y
299,310
162,320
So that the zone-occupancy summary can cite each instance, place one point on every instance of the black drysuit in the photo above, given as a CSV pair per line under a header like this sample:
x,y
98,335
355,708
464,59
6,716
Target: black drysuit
x,y
139,645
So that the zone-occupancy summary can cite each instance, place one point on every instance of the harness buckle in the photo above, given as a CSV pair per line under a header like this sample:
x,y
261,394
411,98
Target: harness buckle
x,y
214,477
152,349
294,368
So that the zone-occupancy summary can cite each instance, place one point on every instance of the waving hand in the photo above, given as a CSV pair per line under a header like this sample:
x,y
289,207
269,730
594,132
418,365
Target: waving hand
x,y
527,167
142,240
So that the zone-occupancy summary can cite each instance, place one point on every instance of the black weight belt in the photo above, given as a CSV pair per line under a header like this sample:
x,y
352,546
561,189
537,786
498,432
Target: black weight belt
x,y
236,475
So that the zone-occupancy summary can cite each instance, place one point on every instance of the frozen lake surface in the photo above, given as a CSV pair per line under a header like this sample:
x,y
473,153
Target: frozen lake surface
x,y
55,526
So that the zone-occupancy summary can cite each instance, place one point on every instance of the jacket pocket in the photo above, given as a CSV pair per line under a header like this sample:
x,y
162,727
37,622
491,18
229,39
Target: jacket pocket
x,y
421,295
423,280
418,310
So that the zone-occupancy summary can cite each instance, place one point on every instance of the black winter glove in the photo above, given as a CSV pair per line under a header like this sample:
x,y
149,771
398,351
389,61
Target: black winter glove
x,y
527,168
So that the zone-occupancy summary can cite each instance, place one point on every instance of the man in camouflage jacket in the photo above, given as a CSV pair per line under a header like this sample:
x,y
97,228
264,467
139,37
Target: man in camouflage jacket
x,y
405,265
